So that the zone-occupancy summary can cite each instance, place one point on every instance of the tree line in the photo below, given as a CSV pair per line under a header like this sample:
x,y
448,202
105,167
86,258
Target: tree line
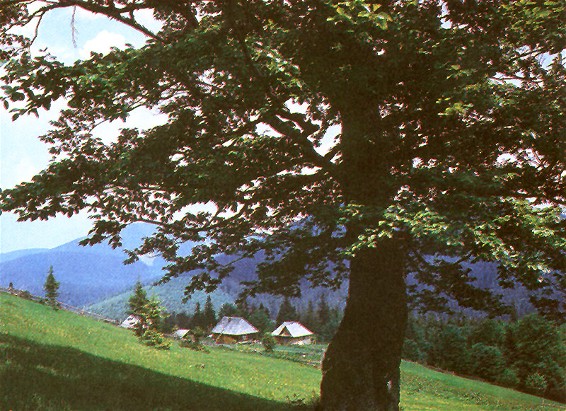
x,y
528,354
320,317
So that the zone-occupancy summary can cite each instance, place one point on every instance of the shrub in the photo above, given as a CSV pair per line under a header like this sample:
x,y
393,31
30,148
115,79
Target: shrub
x,y
486,361
268,342
194,345
449,349
508,378
412,351
536,384
155,339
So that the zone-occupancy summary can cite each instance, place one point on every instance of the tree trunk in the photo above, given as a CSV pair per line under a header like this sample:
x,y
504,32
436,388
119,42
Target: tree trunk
x,y
360,370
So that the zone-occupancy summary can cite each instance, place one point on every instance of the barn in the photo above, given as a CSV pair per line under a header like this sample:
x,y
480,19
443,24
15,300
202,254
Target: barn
x,y
231,330
293,333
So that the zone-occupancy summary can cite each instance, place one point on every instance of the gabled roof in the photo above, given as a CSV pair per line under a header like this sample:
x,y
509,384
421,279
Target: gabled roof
x,y
180,333
234,326
130,321
294,328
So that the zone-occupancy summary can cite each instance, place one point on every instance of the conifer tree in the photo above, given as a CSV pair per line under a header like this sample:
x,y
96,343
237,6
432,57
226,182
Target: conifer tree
x,y
138,300
51,288
209,315
198,318
227,310
287,312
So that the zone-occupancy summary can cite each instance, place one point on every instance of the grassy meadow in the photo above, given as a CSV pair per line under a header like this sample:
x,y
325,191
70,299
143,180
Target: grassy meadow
x,y
56,360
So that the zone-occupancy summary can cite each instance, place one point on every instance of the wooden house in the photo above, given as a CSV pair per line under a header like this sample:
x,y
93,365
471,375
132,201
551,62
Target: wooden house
x,y
293,333
231,330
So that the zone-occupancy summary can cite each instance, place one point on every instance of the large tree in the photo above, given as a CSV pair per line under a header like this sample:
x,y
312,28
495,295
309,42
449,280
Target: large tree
x,y
450,150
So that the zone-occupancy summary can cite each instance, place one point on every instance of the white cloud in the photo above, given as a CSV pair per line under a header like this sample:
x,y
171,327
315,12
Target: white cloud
x,y
102,43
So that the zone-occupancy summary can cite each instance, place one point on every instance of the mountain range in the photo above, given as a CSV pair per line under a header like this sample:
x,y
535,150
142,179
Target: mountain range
x,y
95,278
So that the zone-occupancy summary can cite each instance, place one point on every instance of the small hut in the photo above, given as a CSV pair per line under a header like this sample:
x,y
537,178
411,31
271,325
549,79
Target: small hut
x,y
231,330
293,333
130,322
180,333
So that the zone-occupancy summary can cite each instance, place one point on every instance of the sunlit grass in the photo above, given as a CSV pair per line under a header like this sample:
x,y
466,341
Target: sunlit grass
x,y
56,360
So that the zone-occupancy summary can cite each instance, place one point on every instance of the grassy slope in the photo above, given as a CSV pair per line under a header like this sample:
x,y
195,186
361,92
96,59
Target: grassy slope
x,y
81,364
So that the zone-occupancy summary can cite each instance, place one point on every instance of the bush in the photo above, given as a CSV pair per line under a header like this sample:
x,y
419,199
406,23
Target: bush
x,y
412,351
536,384
194,345
155,339
268,342
487,361
508,377
449,350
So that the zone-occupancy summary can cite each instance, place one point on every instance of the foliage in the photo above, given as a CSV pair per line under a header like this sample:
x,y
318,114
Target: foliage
x,y
51,287
486,361
539,350
449,150
150,317
209,315
268,342
531,348
155,379
227,310
287,312
261,320
449,349
536,384
138,300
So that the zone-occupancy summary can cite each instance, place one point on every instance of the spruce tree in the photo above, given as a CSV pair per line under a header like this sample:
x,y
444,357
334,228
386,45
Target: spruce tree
x,y
287,312
209,315
198,319
227,310
138,300
51,288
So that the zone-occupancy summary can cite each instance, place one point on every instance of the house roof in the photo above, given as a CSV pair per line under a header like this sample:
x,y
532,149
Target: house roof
x,y
180,333
130,321
234,326
294,328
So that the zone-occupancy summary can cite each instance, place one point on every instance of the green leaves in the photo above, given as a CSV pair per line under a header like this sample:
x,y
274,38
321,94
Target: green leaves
x,y
451,138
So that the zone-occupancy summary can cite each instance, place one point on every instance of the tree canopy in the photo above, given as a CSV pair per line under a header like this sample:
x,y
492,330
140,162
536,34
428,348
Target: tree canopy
x,y
449,148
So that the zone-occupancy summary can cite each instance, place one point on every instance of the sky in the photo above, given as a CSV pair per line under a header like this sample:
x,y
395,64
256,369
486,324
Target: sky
x,y
22,154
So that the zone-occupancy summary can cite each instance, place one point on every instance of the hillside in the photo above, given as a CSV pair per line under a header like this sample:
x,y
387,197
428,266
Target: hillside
x,y
170,294
86,274
76,363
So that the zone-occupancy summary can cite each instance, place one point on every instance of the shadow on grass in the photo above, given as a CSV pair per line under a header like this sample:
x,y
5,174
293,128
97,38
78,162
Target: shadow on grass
x,y
42,377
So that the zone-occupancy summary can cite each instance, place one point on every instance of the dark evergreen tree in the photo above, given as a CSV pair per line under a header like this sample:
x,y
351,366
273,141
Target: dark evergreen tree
x,y
323,311
183,320
261,320
208,314
287,312
197,319
450,144
309,317
227,310
51,288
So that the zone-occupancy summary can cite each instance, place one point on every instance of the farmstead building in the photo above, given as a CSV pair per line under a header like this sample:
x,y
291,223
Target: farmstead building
x,y
231,330
293,333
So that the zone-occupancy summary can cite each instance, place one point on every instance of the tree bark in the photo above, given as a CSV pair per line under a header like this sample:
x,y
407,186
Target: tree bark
x,y
360,370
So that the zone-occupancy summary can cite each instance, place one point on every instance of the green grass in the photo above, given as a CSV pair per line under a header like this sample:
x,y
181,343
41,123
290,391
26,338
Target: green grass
x,y
61,361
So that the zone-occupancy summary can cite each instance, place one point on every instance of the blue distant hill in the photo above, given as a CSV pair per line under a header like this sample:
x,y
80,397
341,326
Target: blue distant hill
x,y
86,274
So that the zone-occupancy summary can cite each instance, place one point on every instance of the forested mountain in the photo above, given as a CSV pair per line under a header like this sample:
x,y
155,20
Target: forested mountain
x,y
86,274
96,277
